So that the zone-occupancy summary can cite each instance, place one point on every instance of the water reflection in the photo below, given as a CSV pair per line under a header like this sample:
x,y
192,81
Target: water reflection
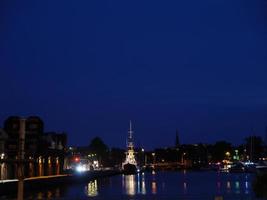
x,y
40,195
130,185
184,182
143,187
154,187
184,185
228,187
138,184
91,189
218,184
237,187
135,184
246,187
218,187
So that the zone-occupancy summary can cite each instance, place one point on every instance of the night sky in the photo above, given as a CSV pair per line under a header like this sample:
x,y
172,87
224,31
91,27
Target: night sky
x,y
88,67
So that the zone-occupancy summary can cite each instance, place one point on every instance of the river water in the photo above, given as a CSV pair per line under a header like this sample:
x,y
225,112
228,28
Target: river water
x,y
159,185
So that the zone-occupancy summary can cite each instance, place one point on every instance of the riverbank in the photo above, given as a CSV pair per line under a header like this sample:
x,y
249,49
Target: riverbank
x,y
8,187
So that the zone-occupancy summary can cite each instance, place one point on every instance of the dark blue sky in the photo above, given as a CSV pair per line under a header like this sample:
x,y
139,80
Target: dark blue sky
x,y
87,67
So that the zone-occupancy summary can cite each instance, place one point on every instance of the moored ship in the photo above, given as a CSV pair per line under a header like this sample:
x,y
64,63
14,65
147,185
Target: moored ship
x,y
130,166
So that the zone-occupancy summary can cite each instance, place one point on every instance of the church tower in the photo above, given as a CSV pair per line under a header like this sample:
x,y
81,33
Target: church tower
x,y
177,140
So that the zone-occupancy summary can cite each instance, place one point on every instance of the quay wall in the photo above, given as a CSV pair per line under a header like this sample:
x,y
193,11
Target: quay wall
x,y
36,183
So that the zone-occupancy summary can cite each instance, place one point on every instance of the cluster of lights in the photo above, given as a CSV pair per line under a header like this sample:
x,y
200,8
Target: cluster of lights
x,y
2,156
249,163
81,168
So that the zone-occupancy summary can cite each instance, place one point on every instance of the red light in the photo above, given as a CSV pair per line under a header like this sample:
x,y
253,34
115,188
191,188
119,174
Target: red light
x,y
76,159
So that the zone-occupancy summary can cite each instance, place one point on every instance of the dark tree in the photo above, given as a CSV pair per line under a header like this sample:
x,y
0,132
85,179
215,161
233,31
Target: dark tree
x,y
101,150
219,150
117,157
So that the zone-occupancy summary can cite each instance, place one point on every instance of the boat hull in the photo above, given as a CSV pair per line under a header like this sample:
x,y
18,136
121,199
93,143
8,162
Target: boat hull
x,y
129,169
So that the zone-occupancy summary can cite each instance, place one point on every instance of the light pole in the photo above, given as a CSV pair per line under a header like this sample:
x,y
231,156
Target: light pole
x,y
21,158
143,157
183,158
153,154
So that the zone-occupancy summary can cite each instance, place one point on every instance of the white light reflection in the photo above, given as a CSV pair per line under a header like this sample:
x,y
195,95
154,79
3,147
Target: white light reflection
x,y
130,185
246,184
228,186
237,187
92,189
185,187
122,181
143,191
246,187
141,187
138,184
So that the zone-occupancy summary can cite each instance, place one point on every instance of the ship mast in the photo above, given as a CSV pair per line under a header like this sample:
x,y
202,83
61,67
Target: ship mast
x,y
130,144
130,158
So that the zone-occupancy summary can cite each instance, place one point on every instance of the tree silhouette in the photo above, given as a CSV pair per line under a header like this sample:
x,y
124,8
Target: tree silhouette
x,y
101,150
219,149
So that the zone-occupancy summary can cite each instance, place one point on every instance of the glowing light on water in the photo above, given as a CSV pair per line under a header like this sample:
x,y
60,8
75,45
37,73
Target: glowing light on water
x,y
246,187
92,189
130,185
237,187
138,184
185,187
143,190
228,185
154,187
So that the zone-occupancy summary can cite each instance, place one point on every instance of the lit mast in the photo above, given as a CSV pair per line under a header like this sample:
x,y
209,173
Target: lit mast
x,y
130,158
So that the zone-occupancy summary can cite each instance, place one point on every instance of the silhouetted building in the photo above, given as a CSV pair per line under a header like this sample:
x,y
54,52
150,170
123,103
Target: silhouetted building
x,y
44,152
54,141
34,130
196,155
3,139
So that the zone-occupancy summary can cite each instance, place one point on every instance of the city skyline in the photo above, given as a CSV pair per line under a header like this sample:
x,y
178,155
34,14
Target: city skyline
x,y
139,142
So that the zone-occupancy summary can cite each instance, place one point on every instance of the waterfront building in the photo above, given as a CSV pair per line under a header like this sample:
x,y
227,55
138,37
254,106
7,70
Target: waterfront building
x,y
3,139
44,152
195,155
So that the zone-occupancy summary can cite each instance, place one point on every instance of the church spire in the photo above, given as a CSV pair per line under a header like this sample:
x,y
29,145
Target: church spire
x,y
177,141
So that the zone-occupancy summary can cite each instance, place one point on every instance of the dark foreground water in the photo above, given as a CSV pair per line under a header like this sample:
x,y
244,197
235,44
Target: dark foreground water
x,y
159,185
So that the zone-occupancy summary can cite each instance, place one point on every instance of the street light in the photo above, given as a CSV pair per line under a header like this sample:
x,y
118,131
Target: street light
x,y
182,160
154,155
143,157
